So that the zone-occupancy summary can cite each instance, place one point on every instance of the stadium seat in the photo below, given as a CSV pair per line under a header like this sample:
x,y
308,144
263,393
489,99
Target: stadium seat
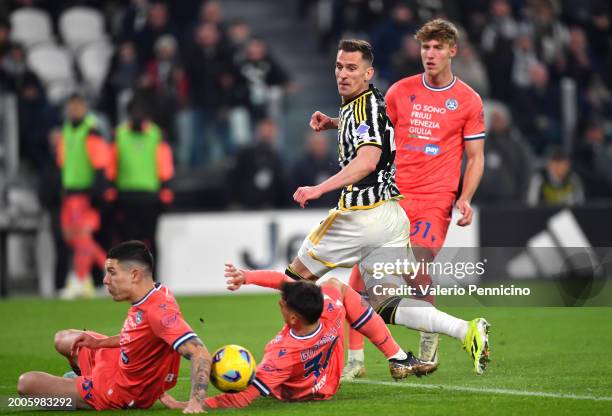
x,y
79,26
53,65
31,26
59,90
93,61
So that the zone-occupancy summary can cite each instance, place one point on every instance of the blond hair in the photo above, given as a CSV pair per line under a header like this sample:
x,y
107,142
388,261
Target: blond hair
x,y
440,30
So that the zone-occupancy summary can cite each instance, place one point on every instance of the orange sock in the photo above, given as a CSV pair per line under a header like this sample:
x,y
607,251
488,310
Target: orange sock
x,y
362,318
355,339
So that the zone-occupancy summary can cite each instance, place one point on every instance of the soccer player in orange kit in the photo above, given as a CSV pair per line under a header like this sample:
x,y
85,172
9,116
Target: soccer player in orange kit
x,y
437,118
136,367
304,360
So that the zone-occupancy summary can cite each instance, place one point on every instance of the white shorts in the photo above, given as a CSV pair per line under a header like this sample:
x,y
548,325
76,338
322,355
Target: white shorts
x,y
346,238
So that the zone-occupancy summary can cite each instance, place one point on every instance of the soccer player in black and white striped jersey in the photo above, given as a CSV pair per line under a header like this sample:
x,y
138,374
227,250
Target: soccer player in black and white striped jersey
x,y
366,153
366,225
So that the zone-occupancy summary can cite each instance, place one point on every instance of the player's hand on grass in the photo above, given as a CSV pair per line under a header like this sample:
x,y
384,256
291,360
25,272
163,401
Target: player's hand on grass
x,y
171,403
320,121
306,193
235,277
466,211
83,340
193,406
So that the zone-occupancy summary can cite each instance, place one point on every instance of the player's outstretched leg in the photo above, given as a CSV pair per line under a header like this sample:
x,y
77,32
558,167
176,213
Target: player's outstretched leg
x,y
355,366
420,315
37,383
365,320
428,346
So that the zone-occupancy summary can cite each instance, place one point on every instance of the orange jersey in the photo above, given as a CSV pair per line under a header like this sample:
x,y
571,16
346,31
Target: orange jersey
x,y
146,363
296,368
431,126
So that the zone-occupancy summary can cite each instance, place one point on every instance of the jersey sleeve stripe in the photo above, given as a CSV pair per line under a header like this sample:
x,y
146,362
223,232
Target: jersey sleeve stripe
x,y
475,136
364,115
368,144
259,385
363,319
356,110
181,340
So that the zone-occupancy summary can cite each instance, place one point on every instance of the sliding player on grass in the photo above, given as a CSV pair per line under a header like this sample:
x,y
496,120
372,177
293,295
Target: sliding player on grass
x,y
304,360
132,369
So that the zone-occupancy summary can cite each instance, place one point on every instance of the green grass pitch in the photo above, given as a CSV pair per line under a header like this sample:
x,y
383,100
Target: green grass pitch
x,y
545,360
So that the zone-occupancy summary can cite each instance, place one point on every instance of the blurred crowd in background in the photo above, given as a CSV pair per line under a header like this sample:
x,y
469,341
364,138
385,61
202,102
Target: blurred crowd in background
x,y
514,53
220,96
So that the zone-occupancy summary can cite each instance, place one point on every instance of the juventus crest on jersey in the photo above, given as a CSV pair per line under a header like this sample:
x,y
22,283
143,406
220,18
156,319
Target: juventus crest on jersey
x,y
363,121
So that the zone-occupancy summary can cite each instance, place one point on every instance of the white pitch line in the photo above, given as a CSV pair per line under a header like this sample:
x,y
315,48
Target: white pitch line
x,y
508,392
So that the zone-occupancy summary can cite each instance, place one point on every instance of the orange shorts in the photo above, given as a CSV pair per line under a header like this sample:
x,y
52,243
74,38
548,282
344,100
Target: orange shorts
x,y
429,220
96,384
77,213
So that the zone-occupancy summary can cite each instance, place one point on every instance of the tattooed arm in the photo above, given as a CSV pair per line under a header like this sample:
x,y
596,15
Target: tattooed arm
x,y
195,351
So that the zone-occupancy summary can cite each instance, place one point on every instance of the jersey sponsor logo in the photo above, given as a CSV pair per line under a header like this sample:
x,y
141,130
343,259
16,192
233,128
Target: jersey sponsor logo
x,y
363,128
452,104
431,149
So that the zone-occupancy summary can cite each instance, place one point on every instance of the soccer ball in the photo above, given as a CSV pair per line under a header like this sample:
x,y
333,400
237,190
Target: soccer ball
x,y
233,368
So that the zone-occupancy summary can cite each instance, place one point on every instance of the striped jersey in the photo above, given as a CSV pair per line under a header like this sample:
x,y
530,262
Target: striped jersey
x,y
363,121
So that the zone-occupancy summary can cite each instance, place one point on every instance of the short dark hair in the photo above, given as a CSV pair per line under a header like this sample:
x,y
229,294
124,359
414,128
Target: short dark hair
x,y
557,154
304,298
358,45
133,251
